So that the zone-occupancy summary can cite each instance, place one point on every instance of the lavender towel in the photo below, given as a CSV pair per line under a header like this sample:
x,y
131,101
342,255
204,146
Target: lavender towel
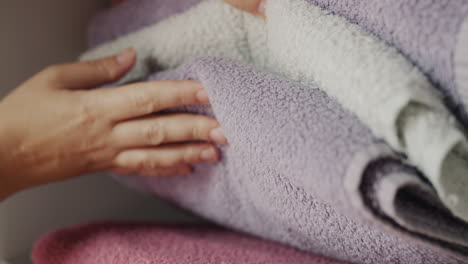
x,y
301,170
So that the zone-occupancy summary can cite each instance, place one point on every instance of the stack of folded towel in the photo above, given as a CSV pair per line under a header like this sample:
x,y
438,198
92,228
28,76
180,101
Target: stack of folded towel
x,y
346,119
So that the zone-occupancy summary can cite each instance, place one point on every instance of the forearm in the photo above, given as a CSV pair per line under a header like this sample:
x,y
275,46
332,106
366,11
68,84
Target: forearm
x,y
7,184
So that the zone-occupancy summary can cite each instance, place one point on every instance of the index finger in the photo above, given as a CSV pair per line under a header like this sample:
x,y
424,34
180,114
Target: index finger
x,y
140,99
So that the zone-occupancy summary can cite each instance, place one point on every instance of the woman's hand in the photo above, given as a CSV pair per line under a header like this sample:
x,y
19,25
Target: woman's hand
x,y
53,127
255,7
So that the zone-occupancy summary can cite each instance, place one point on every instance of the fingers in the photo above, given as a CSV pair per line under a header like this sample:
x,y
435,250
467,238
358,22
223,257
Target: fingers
x,y
158,130
90,74
136,100
255,7
167,156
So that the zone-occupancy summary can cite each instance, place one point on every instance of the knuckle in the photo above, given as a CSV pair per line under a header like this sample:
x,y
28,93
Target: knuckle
x,y
147,164
142,100
95,152
135,161
155,134
86,112
104,68
203,126
199,129
53,73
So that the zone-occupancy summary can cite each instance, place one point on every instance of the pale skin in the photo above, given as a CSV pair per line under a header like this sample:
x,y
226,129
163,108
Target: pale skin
x,y
56,126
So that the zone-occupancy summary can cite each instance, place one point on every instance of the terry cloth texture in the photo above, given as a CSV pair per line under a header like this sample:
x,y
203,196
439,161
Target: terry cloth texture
x,y
432,34
301,42
124,243
301,169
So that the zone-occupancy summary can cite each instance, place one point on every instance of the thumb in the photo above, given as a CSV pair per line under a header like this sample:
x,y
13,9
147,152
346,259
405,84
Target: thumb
x,y
91,74
255,7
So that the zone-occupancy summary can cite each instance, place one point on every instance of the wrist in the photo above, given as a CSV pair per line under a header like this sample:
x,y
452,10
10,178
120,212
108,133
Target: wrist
x,y
7,186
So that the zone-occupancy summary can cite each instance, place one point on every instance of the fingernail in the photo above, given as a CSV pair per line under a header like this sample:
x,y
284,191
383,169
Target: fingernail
x,y
209,155
125,57
202,96
218,136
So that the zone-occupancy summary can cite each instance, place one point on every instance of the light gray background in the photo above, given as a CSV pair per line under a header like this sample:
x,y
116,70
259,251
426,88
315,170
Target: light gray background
x,y
35,34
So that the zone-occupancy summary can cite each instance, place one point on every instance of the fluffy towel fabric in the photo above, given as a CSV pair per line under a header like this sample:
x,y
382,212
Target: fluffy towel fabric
x,y
302,170
433,34
301,42
124,243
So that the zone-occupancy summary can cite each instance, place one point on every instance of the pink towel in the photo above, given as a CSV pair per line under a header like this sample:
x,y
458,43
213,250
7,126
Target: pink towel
x,y
124,243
